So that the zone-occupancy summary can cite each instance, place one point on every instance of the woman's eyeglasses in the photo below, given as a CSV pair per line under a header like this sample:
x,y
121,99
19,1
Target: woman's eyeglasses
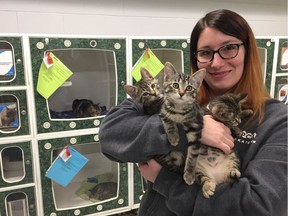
x,y
228,51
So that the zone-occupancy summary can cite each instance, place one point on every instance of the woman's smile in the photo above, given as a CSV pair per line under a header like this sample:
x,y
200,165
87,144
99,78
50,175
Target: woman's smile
x,y
219,74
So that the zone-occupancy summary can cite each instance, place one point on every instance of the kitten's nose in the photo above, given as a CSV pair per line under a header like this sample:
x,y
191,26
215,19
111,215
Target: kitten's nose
x,y
153,93
211,159
181,93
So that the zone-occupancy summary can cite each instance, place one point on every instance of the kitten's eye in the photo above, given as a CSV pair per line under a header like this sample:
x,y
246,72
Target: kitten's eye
x,y
175,85
227,115
145,94
153,86
189,88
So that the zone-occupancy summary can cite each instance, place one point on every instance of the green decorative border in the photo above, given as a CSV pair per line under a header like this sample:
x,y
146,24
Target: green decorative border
x,y
45,162
29,192
282,44
138,185
58,43
27,160
23,112
16,42
269,45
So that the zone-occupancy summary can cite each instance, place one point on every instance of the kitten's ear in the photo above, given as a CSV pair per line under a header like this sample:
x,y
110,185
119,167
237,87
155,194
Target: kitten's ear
x,y
145,74
131,91
198,77
242,97
169,72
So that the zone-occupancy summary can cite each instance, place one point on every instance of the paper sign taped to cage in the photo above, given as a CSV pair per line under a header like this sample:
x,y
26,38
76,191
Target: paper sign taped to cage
x,y
149,61
62,172
51,78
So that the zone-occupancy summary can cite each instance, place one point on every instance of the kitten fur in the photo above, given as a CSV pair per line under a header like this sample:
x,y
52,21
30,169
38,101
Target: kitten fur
x,y
181,107
213,166
85,108
146,91
103,191
228,110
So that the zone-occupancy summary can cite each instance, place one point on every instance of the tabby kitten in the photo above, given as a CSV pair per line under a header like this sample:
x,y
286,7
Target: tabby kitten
x,y
180,107
103,191
214,166
85,108
146,91
228,110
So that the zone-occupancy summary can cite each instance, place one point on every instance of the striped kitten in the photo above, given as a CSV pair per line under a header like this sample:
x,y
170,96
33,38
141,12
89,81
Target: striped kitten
x,y
146,91
85,108
228,110
180,107
214,166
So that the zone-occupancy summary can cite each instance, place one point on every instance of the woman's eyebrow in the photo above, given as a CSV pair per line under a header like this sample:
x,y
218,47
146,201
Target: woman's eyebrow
x,y
208,47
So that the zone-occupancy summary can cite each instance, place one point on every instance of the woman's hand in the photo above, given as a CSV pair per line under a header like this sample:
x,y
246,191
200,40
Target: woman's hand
x,y
216,134
150,170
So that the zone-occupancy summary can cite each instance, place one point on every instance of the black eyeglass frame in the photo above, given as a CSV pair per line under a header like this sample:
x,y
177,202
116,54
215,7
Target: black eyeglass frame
x,y
217,51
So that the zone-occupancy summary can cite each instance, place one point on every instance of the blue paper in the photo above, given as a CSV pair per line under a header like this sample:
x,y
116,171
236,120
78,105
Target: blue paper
x,y
63,172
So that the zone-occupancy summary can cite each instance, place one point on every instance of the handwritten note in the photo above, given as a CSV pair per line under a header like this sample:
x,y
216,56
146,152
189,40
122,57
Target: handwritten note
x,y
63,171
149,61
51,78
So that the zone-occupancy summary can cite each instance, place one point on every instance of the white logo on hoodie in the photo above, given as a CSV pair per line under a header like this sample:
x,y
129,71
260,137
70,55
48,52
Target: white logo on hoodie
x,y
247,138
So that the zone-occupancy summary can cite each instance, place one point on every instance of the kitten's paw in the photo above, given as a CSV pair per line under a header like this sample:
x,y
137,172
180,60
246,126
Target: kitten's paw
x,y
174,140
235,174
208,189
249,112
189,178
238,132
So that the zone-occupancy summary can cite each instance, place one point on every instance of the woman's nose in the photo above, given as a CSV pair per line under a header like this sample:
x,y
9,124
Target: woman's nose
x,y
217,61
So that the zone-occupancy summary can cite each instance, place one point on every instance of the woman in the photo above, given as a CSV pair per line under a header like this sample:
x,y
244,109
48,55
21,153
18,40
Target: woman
x,y
224,44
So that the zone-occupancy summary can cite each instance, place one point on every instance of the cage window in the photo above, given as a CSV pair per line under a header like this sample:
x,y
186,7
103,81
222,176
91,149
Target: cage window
x,y
7,62
174,56
13,168
91,90
97,181
9,114
17,204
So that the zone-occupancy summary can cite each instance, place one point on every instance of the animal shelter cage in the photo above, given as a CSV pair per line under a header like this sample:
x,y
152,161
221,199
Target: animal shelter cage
x,y
100,185
98,69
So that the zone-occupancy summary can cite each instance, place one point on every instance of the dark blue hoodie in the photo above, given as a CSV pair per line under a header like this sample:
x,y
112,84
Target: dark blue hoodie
x,y
128,135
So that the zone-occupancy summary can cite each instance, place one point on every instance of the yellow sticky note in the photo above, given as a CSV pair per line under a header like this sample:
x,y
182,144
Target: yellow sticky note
x,y
50,79
149,61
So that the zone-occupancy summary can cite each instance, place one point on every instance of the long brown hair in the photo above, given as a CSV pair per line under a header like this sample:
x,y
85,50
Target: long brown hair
x,y
252,80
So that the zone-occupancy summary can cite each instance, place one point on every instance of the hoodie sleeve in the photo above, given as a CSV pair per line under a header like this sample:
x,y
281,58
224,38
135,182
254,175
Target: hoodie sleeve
x,y
128,135
262,189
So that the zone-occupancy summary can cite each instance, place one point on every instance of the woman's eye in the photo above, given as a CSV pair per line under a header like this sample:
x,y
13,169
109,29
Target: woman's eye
x,y
205,53
175,85
229,47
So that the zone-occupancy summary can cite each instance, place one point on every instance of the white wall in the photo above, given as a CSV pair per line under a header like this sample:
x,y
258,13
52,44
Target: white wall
x,y
133,17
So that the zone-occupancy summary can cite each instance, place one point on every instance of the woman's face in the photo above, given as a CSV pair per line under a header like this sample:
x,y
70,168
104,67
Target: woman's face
x,y
222,74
